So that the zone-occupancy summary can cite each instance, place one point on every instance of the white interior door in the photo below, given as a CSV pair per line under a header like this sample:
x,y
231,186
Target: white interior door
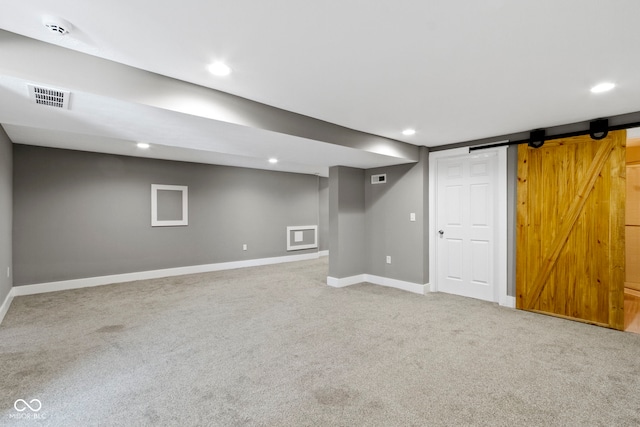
x,y
466,224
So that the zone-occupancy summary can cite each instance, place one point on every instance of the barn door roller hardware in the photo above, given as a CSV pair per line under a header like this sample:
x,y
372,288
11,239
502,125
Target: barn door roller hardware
x,y
598,129
536,138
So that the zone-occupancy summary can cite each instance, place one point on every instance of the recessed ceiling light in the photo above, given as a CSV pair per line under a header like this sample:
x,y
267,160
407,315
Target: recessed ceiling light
x,y
409,132
273,160
603,87
219,69
143,145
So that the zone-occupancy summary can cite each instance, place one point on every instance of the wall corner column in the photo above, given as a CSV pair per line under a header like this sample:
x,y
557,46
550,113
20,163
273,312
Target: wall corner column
x,y
346,226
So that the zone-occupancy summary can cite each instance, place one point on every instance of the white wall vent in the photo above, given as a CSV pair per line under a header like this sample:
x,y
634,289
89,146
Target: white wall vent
x,y
379,179
49,96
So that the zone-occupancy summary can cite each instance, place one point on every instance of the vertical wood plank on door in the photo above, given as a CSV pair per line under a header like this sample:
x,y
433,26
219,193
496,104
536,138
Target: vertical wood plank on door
x,y
522,227
618,232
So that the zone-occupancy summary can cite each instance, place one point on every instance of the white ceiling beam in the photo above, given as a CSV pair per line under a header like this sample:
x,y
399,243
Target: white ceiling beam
x,y
48,64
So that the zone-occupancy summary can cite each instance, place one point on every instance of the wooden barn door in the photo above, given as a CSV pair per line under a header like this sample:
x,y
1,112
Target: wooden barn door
x,y
570,249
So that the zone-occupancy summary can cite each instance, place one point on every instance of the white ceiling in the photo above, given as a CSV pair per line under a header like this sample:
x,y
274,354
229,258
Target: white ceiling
x,y
454,71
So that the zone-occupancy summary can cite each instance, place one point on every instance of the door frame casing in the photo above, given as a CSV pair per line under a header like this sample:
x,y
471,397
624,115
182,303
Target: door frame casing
x,y
500,231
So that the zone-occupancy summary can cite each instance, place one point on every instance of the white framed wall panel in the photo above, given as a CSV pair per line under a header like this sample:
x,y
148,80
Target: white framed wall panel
x,y
295,234
183,220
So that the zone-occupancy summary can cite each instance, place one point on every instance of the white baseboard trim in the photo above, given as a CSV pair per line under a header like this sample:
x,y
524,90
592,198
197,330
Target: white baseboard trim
x,y
154,274
4,308
376,280
416,288
507,301
345,281
323,253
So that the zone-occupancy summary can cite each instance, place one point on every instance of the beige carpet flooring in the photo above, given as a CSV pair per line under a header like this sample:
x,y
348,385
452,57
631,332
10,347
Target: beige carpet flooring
x,y
275,346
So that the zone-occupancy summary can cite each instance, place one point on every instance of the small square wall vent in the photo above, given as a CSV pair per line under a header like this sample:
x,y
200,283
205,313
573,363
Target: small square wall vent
x,y
48,96
379,179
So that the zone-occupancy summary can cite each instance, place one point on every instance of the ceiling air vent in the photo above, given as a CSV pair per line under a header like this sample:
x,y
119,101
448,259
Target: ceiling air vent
x,y
57,26
49,96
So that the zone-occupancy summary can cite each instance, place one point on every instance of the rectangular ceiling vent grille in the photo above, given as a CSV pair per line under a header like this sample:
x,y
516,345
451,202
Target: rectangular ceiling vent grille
x,y
50,97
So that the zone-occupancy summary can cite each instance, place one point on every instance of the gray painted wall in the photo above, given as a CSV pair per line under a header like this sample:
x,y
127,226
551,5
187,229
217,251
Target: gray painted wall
x,y
84,214
323,213
346,222
169,205
80,214
389,231
6,213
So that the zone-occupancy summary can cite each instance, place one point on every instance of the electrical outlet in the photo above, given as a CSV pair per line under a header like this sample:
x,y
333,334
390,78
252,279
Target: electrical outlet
x,y
412,216
244,247
388,259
